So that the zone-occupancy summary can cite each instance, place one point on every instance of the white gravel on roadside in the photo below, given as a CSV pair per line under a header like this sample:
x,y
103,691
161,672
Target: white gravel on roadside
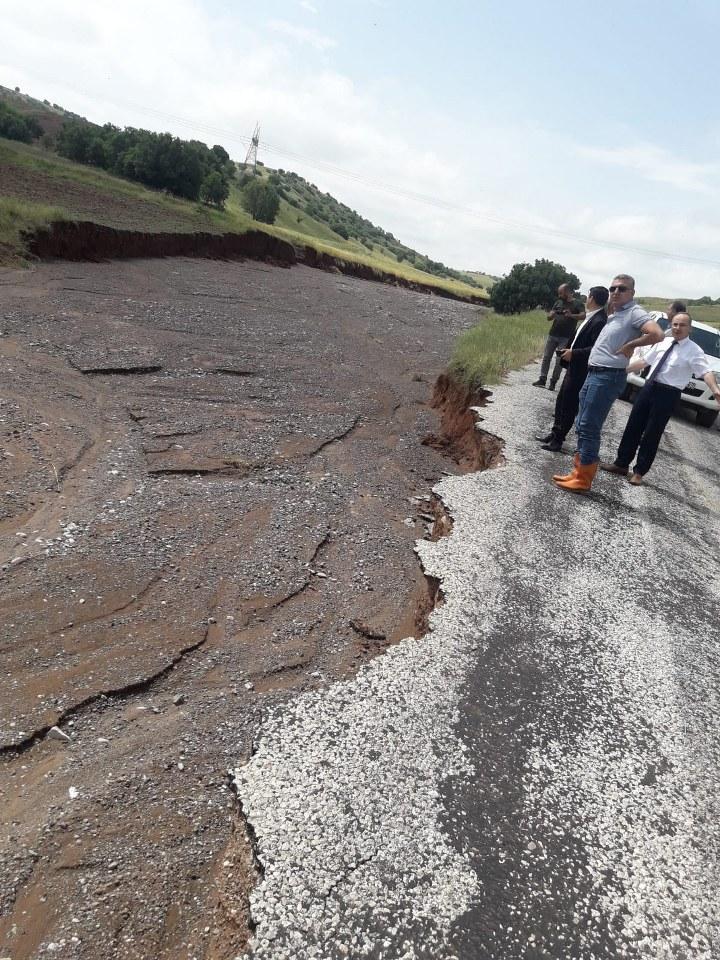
x,y
342,795
344,791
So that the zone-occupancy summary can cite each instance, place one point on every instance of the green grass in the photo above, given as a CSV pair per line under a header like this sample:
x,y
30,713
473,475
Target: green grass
x,y
17,217
704,313
152,210
484,354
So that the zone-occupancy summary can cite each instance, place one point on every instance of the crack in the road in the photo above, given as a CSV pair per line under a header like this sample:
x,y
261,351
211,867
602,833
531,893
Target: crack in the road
x,y
113,693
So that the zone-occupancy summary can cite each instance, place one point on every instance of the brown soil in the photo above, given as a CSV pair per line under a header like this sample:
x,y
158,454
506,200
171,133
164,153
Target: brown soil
x,y
212,480
461,437
94,242
86,202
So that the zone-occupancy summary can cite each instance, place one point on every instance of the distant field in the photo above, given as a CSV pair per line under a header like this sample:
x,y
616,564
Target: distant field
x,y
705,313
37,186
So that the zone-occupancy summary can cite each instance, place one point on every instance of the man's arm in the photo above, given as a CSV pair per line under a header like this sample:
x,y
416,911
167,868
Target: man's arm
x,y
651,333
594,332
710,380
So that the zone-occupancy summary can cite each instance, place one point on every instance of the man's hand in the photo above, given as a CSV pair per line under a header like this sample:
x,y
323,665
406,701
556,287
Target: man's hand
x,y
566,355
716,394
627,351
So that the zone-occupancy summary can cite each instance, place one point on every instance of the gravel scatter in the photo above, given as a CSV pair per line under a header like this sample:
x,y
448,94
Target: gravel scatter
x,y
538,776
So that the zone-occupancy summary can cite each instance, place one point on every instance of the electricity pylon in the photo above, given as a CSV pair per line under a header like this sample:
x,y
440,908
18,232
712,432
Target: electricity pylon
x,y
251,158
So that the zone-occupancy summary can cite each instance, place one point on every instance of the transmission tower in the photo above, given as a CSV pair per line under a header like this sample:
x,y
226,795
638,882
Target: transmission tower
x,y
251,158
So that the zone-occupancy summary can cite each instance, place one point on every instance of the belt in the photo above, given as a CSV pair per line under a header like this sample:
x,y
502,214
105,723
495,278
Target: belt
x,y
600,369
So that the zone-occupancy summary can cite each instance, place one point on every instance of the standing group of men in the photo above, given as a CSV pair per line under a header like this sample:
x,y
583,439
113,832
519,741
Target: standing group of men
x,y
596,357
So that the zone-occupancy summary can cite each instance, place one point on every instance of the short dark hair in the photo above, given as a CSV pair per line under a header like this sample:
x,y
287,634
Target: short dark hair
x,y
630,281
600,295
678,306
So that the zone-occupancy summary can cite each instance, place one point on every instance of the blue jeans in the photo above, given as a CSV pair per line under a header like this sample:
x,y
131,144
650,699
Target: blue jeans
x,y
600,391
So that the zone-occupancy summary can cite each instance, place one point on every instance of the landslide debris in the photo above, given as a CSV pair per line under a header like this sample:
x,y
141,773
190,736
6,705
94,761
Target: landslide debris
x,y
180,549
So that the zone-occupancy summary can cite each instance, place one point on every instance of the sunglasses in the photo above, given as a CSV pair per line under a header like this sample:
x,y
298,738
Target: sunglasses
x,y
620,288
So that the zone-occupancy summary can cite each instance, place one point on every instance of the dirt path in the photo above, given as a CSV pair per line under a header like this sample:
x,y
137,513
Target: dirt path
x,y
212,479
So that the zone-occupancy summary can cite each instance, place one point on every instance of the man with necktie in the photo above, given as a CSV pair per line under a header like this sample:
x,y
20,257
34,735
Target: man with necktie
x,y
672,363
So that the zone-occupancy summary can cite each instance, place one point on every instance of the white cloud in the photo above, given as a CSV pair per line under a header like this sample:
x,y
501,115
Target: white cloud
x,y
222,74
656,164
303,34
310,7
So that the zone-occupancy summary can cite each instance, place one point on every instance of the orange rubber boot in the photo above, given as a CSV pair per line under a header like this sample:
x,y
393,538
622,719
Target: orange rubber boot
x,y
571,475
583,481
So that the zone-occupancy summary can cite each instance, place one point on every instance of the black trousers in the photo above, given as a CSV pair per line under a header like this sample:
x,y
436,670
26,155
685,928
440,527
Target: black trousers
x,y
567,403
648,418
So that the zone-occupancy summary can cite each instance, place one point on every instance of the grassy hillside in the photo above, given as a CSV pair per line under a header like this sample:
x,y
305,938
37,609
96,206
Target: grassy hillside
x,y
37,185
704,312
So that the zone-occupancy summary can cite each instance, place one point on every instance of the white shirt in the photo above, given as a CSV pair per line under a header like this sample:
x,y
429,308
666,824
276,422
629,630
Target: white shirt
x,y
687,359
588,317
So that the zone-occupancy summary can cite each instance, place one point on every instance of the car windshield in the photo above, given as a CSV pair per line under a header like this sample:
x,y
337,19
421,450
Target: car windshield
x,y
708,341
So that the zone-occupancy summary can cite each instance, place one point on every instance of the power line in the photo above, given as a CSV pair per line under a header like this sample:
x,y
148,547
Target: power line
x,y
416,197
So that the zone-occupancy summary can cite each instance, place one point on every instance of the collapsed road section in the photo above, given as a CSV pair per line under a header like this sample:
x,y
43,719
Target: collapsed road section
x,y
212,481
537,776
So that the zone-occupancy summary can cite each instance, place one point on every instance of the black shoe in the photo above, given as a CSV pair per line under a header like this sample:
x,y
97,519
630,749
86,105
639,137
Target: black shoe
x,y
546,439
553,445
552,384
614,468
539,383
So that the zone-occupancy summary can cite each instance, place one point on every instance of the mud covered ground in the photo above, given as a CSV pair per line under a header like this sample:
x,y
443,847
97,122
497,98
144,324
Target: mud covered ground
x,y
212,477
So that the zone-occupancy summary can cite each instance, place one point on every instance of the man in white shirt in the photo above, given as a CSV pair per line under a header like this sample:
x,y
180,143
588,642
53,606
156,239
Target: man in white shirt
x,y
672,363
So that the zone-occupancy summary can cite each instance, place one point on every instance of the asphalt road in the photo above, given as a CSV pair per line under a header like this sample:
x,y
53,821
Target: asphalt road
x,y
538,776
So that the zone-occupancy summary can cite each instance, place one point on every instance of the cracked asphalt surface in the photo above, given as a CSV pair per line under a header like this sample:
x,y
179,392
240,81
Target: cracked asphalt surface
x,y
537,777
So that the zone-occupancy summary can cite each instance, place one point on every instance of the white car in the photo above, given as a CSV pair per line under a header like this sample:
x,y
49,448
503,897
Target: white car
x,y
697,393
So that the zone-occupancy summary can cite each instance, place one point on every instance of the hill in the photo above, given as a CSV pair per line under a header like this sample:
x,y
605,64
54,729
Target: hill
x,y
37,186
705,310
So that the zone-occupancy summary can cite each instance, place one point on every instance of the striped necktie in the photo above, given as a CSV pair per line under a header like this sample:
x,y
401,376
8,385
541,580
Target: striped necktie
x,y
661,362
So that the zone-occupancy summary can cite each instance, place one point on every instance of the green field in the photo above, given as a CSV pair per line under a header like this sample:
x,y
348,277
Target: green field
x,y
484,354
38,186
705,313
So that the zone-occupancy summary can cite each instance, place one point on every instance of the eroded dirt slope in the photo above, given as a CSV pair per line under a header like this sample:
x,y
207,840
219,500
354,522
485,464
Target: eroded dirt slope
x,y
212,478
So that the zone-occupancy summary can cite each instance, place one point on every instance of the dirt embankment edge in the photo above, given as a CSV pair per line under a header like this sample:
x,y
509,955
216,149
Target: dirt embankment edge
x,y
84,240
461,438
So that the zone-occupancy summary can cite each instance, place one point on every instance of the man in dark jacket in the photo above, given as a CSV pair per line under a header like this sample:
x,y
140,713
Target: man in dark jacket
x,y
575,361
565,315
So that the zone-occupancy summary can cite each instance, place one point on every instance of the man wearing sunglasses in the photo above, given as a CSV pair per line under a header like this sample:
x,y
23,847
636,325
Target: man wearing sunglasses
x,y
629,327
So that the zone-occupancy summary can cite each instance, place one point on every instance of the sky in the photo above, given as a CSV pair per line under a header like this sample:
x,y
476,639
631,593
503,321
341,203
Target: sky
x,y
480,133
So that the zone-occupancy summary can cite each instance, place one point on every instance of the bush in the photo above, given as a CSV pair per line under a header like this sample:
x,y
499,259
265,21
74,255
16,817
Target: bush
x,y
157,160
261,201
214,190
16,126
528,286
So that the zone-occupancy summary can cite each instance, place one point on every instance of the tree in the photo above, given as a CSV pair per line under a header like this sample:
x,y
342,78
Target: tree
x,y
16,126
214,190
261,201
528,286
